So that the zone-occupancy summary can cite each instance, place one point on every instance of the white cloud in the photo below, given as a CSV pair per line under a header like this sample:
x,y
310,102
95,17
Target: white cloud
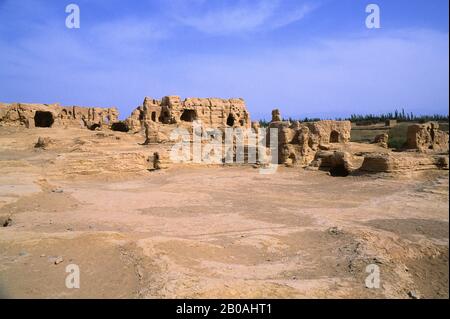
x,y
240,17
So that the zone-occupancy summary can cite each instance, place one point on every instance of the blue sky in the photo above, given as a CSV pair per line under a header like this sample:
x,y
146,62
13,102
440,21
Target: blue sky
x,y
308,58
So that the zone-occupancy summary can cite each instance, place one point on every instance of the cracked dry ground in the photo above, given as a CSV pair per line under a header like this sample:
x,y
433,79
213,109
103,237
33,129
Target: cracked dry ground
x,y
206,232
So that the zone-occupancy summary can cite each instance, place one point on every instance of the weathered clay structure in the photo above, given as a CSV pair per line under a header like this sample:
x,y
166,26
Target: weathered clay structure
x,y
153,134
400,162
54,115
314,145
338,163
341,163
298,143
382,140
427,137
212,112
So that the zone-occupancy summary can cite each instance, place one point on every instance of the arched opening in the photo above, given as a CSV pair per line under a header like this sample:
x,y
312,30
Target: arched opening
x,y
339,171
165,117
188,116
43,119
230,120
120,127
154,116
334,137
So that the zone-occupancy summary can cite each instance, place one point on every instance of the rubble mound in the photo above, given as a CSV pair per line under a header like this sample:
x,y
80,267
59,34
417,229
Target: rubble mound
x,y
43,142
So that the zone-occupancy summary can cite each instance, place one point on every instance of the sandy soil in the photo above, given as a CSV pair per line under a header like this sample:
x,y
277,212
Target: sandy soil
x,y
203,232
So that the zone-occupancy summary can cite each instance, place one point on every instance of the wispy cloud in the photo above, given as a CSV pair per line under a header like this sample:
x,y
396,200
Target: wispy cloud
x,y
333,77
239,16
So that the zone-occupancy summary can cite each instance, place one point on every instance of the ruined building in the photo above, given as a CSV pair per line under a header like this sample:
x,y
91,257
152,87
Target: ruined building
x,y
54,115
298,142
212,112
427,137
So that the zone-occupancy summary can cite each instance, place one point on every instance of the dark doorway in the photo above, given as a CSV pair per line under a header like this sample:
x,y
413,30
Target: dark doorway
x,y
230,120
188,116
43,119
93,127
165,117
339,171
154,116
120,127
334,137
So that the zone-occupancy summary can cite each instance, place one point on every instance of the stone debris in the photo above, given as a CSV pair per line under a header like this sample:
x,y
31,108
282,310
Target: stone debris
x,y
335,231
58,260
5,220
43,142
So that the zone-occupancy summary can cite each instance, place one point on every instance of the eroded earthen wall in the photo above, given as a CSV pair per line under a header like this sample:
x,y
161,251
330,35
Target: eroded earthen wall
x,y
298,142
54,115
427,137
212,112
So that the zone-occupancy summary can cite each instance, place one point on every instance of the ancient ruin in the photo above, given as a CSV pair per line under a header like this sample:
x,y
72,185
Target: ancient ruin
x,y
313,145
55,115
382,140
402,162
298,143
427,137
212,112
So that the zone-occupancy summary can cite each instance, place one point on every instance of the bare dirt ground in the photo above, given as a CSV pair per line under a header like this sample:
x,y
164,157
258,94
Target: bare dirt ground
x,y
204,232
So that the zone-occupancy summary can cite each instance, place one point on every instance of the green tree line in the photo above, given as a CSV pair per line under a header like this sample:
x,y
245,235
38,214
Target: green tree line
x,y
368,119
